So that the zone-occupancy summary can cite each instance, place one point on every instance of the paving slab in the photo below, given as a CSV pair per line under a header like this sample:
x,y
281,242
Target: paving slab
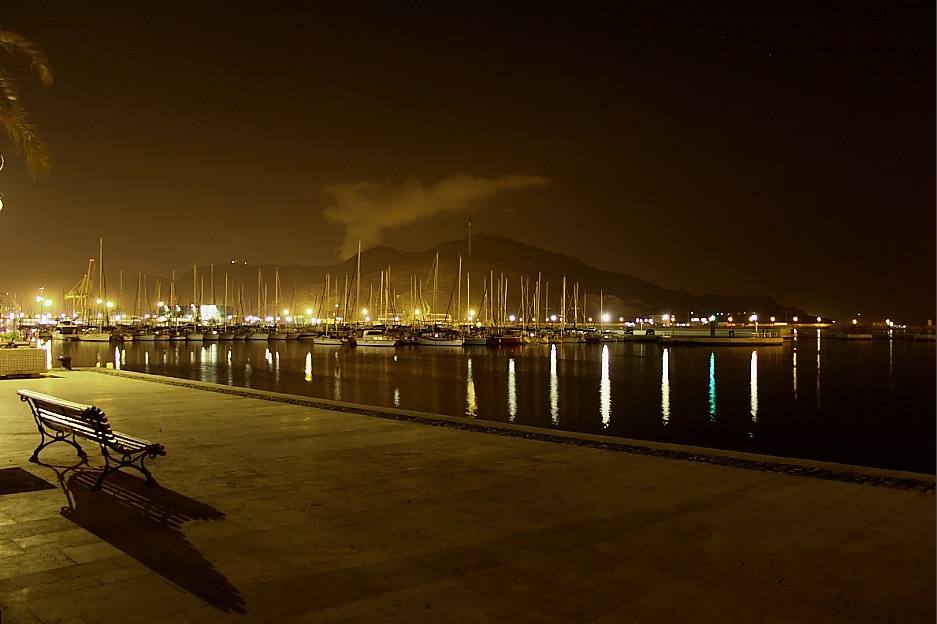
x,y
274,508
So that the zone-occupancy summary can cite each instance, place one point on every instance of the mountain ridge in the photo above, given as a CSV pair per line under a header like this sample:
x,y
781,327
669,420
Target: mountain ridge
x,y
492,259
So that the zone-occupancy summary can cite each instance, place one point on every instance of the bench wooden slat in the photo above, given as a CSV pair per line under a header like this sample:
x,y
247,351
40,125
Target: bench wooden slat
x,y
70,406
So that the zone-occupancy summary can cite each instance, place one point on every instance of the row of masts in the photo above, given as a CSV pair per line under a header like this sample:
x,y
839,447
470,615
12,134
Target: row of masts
x,y
336,305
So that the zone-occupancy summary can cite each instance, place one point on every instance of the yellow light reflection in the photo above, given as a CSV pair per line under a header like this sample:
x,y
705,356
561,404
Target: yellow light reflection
x,y
471,402
308,369
665,388
795,372
554,388
754,386
891,364
605,390
512,392
338,379
818,367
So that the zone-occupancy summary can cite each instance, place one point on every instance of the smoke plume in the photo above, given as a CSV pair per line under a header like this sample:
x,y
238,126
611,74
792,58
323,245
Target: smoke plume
x,y
367,208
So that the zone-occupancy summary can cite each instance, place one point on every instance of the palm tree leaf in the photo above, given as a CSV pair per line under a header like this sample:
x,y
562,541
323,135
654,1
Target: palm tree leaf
x,y
13,117
18,46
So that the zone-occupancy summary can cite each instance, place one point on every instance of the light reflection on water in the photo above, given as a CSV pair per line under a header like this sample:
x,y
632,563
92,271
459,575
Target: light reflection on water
x,y
819,332
605,392
554,388
471,408
754,386
794,365
762,400
512,392
665,388
712,386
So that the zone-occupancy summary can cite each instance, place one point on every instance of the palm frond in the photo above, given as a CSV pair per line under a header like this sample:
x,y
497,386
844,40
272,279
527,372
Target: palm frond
x,y
13,117
18,46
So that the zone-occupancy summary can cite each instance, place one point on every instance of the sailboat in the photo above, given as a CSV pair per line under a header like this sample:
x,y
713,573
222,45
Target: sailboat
x,y
99,334
325,339
275,332
375,338
259,333
226,332
195,334
142,332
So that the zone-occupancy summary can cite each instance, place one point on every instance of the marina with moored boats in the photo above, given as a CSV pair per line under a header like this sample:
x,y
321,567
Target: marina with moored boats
x,y
449,307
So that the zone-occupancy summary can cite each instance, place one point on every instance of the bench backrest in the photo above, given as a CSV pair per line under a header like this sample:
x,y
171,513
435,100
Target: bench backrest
x,y
57,412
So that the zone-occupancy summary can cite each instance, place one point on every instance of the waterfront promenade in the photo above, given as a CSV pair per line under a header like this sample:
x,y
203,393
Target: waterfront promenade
x,y
277,511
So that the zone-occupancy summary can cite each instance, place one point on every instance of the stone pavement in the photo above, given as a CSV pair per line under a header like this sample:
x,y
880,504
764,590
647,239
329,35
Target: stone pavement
x,y
275,511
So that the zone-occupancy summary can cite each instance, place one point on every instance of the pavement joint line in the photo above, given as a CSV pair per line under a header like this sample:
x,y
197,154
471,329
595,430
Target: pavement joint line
x,y
830,472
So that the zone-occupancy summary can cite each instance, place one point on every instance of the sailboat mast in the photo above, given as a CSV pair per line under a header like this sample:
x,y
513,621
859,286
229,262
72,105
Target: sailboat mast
x,y
563,306
136,303
468,293
259,291
458,305
172,296
102,288
224,303
358,282
276,296
435,283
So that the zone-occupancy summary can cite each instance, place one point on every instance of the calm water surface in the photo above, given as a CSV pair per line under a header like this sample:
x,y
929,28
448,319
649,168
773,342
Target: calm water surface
x,y
869,403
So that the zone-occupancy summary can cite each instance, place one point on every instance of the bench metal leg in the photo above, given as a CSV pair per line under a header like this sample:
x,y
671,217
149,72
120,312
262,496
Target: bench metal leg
x,y
35,458
127,462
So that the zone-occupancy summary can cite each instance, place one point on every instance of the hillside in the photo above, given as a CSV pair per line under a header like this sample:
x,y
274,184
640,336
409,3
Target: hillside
x,y
492,256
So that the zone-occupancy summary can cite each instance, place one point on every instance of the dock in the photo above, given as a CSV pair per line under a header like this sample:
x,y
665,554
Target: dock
x,y
279,508
722,341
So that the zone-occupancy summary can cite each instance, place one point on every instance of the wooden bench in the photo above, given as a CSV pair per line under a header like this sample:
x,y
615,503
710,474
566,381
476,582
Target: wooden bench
x,y
65,421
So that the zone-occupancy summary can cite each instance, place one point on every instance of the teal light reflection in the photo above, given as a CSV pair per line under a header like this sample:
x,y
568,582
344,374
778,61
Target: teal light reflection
x,y
712,386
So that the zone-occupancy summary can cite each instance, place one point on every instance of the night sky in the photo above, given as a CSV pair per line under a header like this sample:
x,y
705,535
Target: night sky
x,y
776,148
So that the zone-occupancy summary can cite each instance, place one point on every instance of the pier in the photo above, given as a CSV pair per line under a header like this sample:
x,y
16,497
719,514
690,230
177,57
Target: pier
x,y
273,509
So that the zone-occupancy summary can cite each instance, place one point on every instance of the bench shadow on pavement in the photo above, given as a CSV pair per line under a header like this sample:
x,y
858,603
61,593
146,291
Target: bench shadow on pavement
x,y
146,523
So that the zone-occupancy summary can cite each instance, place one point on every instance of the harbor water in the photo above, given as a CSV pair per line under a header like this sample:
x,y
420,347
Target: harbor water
x,y
869,403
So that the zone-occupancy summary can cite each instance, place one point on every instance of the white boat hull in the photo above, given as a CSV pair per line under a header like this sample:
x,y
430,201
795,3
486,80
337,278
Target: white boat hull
x,y
377,343
440,342
95,336
328,341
